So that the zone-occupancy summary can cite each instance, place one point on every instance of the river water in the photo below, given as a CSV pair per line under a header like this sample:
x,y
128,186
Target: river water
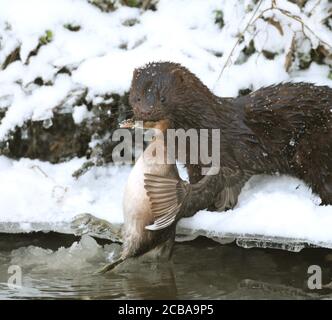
x,y
54,266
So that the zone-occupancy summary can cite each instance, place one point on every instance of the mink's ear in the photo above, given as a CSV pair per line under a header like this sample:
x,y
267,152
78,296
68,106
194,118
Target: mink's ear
x,y
178,75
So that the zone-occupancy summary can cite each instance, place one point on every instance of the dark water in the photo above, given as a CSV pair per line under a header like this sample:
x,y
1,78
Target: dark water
x,y
201,269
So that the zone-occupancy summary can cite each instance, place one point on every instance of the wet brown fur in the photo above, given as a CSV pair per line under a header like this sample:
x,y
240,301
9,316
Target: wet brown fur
x,y
285,128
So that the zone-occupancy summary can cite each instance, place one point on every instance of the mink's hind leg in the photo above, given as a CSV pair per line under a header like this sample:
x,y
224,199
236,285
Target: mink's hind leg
x,y
313,160
322,157
324,190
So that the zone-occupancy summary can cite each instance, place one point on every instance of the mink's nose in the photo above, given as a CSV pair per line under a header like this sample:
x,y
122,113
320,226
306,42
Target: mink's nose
x,y
146,113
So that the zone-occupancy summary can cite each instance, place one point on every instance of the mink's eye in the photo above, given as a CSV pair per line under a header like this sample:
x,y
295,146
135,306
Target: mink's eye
x,y
162,99
138,99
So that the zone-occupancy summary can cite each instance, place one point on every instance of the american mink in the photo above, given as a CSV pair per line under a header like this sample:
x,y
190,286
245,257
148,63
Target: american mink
x,y
138,214
284,128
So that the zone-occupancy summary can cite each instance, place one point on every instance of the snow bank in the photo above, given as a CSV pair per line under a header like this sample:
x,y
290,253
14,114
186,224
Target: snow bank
x,y
32,191
35,193
276,207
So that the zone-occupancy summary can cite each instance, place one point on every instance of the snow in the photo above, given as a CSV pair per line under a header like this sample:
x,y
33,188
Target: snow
x,y
101,57
34,192
106,49
80,113
270,206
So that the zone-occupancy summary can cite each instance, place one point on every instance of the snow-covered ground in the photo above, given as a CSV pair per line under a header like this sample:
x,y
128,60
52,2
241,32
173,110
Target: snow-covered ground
x,y
35,194
34,191
102,55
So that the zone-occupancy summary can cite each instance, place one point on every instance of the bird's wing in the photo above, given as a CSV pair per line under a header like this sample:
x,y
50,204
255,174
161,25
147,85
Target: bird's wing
x,y
166,197
172,199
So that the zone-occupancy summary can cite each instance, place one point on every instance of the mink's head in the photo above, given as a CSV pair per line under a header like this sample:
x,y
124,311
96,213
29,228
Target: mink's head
x,y
163,91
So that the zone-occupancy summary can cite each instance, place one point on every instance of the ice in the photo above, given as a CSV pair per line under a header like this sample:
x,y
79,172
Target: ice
x,y
83,254
271,244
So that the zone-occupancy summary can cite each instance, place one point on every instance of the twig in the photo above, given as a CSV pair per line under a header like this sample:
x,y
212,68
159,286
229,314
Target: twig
x,y
146,4
41,171
83,169
65,189
238,41
314,8
296,18
253,20
304,26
